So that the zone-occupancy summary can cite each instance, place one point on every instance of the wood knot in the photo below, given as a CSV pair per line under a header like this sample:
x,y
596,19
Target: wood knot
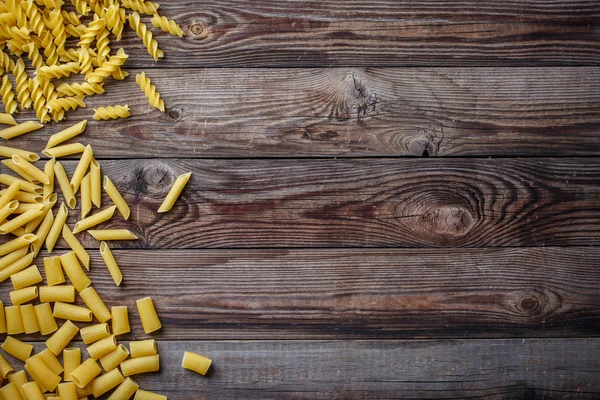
x,y
448,220
529,303
197,29
532,303
424,141
151,177
175,113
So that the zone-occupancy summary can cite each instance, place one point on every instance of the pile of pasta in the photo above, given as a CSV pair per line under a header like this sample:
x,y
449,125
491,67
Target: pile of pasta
x,y
61,40
27,213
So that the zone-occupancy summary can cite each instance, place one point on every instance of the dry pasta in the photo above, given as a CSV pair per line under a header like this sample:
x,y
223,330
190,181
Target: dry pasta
x,y
16,348
8,209
30,169
91,298
76,246
5,367
86,196
142,348
57,226
19,221
53,270
125,390
116,197
7,119
30,322
150,91
106,382
94,220
19,378
65,150
49,170
17,243
96,184
167,25
148,315
65,186
82,167
140,365
60,293
3,318
111,264
61,338
46,320
15,267
71,360
145,395
43,230
27,277
13,256
86,372
102,347
51,361
93,333
33,391
10,391
143,33
21,296
10,151
112,234
74,271
20,129
112,360
174,193
67,133
41,373
111,112
67,391
23,185
196,362
71,312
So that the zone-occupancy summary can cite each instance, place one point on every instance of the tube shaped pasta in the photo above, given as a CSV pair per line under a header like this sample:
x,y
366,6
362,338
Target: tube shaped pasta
x,y
10,391
19,221
142,348
24,207
120,320
51,361
96,184
86,195
71,312
60,293
65,150
112,234
116,197
112,360
15,267
65,186
83,392
19,378
57,225
46,320
14,320
41,373
29,276
148,315
93,333
2,318
17,243
33,391
10,258
125,390
21,296
146,395
16,348
102,347
196,362
140,365
49,170
66,134
82,167
5,367
23,184
53,270
91,299
111,263
9,193
10,151
106,382
30,322
26,197
67,391
86,372
10,164
7,119
95,219
8,209
42,232
174,193
61,338
31,169
76,246
74,271
71,360
20,129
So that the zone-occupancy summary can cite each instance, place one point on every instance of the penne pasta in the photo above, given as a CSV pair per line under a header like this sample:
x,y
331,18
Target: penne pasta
x,y
20,231
21,296
14,320
23,184
106,382
102,347
19,221
91,299
10,391
57,225
116,197
16,348
33,391
63,151
30,322
86,195
196,362
17,243
76,246
19,378
86,372
10,151
112,360
61,293
71,360
53,270
29,276
174,193
49,170
51,361
142,348
145,395
30,169
45,319
20,129
41,373
125,390
67,391
65,186
111,263
47,204
26,197
8,209
82,167
13,256
74,271
7,119
5,367
148,315
93,333
71,312
24,207
66,134
140,365
2,318
42,232
94,220
9,193
15,267
61,338
112,234
95,183
120,320
10,164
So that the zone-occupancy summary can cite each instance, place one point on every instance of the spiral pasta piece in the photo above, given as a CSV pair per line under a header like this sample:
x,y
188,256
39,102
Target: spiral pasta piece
x,y
59,71
22,84
81,6
85,61
91,32
34,55
36,22
167,25
102,45
75,30
108,67
8,97
39,101
80,89
49,49
50,4
145,7
6,63
65,103
111,112
119,74
114,20
150,91
70,17
14,7
55,23
143,33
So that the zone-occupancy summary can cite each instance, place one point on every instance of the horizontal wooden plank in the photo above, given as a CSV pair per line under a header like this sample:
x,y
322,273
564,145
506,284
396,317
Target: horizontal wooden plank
x,y
369,294
287,33
494,369
359,203
348,112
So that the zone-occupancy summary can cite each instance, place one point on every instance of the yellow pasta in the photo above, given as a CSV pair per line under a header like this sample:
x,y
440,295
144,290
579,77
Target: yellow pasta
x,y
19,378
46,320
196,362
19,171
83,392
102,347
65,104
145,395
27,277
26,197
23,185
19,221
82,167
16,348
7,119
37,95
49,170
140,365
76,246
71,312
66,134
33,391
13,256
174,193
65,150
21,296
166,25
96,183
81,89
10,151
10,391
30,322
41,373
112,234
21,79
8,97
61,338
91,298
94,220
57,226
53,270
111,264
143,33
67,391
43,230
125,390
58,71
20,129
116,197
8,209
71,360
91,32
107,67
51,361
93,333
65,185
150,91
24,207
60,293
3,318
5,367
111,112
74,271
17,243
148,315
17,266
114,19
86,195
142,348
31,169
112,360
106,382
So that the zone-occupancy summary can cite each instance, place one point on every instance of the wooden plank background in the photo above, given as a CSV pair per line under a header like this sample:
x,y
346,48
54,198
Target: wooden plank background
x,y
394,199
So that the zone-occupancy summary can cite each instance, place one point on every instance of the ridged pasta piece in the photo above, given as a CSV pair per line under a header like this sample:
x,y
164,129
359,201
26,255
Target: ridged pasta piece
x,y
196,362
67,391
51,361
93,333
41,373
65,103
111,112
27,277
120,320
148,315
19,378
112,360
46,320
106,382
91,32
30,322
140,365
74,271
125,390
150,91
21,296
91,299
86,372
53,270
145,7
146,395
71,312
71,360
14,320
10,391
142,348
33,391
8,96
60,293
61,338
167,25
16,348
102,347
143,33
59,71
108,67
115,16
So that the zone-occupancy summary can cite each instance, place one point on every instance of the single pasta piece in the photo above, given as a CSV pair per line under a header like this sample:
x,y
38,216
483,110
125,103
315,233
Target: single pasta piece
x,y
3,319
80,89
49,170
148,315
51,361
19,221
71,360
22,296
58,71
150,91
107,67
74,271
19,378
82,167
65,185
76,246
111,112
140,365
65,104
116,197
142,348
196,362
20,129
125,390
42,231
41,373
71,312
16,169
112,234
83,392
13,256
86,195
93,333
33,391
7,119
61,338
114,20
53,270
17,266
106,382
65,150
57,225
95,180
67,391
39,101
5,367
23,185
17,243
120,320
16,348
111,264
91,298
112,360
145,7
86,372
31,169
102,347
6,151
27,277
145,395
94,220
10,391
91,32
8,209
166,25
30,322
46,320
8,96
26,197
24,207
174,193
22,79
60,293
66,134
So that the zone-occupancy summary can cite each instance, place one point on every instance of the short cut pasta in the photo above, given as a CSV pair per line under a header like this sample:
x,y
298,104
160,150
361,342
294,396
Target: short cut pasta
x,y
140,365
86,372
148,315
174,193
196,362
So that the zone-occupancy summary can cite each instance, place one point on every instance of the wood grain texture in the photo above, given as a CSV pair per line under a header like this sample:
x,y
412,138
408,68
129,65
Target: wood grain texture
x,y
359,203
288,33
491,369
351,294
348,112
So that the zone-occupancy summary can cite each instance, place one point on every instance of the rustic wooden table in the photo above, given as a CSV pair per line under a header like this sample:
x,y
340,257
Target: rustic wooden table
x,y
390,199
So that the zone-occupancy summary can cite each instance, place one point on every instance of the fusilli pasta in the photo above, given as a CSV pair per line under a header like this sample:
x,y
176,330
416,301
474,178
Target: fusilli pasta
x,y
150,91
